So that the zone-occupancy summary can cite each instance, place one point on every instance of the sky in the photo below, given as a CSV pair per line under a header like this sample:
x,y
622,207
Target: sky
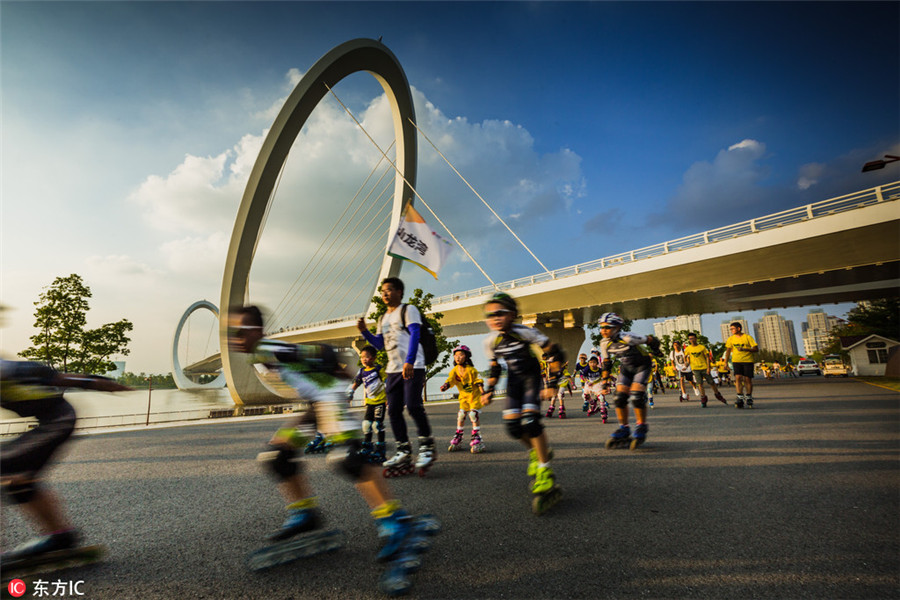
x,y
129,130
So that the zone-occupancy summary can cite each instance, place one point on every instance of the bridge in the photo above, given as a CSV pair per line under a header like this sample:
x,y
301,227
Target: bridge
x,y
837,250
843,249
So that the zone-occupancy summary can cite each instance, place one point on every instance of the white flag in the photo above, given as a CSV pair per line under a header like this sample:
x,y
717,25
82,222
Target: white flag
x,y
417,243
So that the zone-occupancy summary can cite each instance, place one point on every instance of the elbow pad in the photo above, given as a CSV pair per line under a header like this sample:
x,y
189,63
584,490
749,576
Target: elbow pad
x,y
495,372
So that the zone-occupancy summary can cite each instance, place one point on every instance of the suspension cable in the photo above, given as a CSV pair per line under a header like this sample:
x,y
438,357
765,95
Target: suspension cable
x,y
499,218
363,129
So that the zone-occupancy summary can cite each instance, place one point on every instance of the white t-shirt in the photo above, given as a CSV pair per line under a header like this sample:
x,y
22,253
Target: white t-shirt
x,y
681,362
396,339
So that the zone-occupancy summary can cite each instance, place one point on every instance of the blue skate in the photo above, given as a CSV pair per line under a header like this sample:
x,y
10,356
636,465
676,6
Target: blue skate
x,y
407,539
620,438
639,436
318,445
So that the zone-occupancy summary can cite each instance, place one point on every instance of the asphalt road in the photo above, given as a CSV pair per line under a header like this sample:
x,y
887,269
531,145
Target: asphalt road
x,y
798,498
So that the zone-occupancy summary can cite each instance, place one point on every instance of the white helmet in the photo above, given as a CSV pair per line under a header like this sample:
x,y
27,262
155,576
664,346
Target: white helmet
x,y
611,318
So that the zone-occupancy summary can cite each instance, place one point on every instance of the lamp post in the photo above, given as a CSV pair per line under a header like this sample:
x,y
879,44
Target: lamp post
x,y
149,395
879,164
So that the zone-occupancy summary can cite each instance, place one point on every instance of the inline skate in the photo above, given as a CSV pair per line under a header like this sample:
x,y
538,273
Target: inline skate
x,y
401,463
639,436
620,438
427,455
456,441
476,445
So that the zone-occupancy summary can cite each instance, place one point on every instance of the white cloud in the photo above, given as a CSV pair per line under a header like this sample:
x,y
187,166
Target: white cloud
x,y
809,175
726,185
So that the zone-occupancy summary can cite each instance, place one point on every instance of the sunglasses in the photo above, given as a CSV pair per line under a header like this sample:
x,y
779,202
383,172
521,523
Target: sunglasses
x,y
607,327
240,330
497,313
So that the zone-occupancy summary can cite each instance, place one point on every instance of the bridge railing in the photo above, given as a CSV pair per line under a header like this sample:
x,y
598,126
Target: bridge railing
x,y
886,193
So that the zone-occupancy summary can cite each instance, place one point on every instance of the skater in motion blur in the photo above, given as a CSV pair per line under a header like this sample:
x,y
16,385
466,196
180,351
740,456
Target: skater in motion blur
x,y
631,383
370,376
30,389
465,377
511,343
317,375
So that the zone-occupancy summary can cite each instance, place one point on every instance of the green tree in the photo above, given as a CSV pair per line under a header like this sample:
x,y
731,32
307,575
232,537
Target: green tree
x,y
421,301
62,341
881,317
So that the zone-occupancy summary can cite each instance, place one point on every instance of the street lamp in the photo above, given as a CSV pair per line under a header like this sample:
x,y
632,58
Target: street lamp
x,y
879,164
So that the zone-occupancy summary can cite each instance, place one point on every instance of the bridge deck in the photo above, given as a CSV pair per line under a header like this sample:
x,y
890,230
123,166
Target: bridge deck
x,y
797,498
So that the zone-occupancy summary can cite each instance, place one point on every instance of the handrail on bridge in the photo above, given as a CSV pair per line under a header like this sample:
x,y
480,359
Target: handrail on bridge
x,y
884,193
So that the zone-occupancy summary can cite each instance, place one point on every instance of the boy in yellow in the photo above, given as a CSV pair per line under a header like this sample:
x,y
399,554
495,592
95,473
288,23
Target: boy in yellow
x,y
740,347
699,356
371,377
465,377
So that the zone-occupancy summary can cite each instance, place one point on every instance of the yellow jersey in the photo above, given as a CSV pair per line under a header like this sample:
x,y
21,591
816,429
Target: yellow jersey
x,y
740,346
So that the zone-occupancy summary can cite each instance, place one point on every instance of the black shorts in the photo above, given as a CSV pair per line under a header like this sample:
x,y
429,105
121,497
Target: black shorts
x,y
687,376
743,368
31,451
523,393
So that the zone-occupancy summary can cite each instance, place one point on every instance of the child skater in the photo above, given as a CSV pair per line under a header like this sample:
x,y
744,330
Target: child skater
x,y
465,377
565,385
631,383
511,342
371,377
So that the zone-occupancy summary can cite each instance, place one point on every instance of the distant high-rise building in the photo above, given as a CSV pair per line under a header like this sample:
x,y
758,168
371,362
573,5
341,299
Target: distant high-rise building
x,y
817,331
679,323
775,333
726,326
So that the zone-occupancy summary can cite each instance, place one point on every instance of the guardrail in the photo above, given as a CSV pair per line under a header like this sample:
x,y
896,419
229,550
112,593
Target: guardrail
x,y
14,427
888,192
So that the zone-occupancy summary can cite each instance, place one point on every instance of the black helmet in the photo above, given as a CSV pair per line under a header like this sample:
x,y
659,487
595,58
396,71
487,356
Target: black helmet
x,y
505,300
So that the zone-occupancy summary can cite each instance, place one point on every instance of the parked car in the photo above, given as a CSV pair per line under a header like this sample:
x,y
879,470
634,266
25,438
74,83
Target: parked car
x,y
808,366
833,366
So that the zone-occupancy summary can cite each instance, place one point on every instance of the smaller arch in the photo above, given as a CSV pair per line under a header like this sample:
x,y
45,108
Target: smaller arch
x,y
181,380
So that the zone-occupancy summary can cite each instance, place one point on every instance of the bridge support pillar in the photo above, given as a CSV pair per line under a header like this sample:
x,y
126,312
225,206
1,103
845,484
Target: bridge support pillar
x,y
569,339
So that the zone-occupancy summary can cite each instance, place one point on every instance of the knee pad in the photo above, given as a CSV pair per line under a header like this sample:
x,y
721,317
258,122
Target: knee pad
x,y
638,399
473,415
531,424
280,461
514,428
21,493
348,460
461,414
367,427
621,399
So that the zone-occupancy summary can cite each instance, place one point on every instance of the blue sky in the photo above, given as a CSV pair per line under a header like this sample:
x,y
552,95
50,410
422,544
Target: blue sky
x,y
595,128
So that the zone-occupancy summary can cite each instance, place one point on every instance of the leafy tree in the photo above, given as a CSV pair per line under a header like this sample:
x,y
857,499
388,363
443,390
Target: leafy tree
x,y
422,301
62,341
881,317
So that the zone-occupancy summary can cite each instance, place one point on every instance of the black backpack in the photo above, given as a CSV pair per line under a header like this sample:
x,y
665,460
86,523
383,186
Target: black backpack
x,y
426,337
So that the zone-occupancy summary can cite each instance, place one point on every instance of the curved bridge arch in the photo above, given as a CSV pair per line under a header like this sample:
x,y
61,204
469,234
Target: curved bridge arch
x,y
341,61
181,380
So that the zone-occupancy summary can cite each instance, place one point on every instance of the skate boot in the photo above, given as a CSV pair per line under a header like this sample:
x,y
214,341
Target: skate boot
x,y
620,438
604,411
393,530
749,400
562,412
456,441
302,516
365,451
703,401
377,455
721,398
593,409
318,445
639,435
650,403
534,463
584,407
401,463
740,401
427,455
476,445
546,492
683,398
549,412
39,547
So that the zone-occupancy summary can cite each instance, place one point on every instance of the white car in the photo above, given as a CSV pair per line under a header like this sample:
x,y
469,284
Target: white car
x,y
835,367
807,366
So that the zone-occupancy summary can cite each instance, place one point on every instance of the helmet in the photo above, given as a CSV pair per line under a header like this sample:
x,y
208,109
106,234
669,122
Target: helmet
x,y
611,318
463,348
505,300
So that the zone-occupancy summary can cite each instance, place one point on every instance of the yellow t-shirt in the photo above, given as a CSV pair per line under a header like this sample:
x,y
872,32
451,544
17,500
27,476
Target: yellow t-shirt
x,y
699,356
466,379
738,343
670,370
722,366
